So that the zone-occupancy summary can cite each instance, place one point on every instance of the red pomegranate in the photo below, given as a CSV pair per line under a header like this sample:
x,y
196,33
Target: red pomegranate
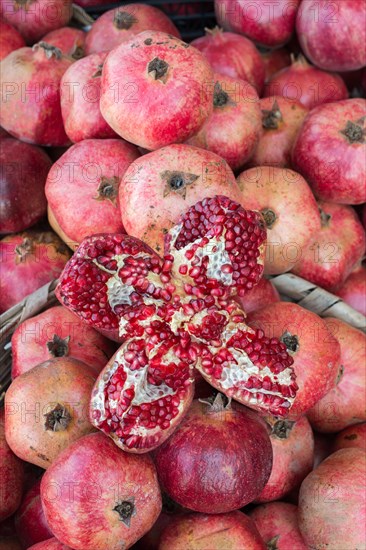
x,y
334,251
293,453
30,98
353,436
266,23
158,187
330,151
288,208
10,39
30,523
281,122
50,544
274,61
24,170
34,18
306,84
29,260
121,24
57,332
212,531
89,192
46,409
232,55
12,476
318,27
353,290
344,405
278,526
67,39
332,502
218,459
263,294
232,130
116,495
155,90
310,343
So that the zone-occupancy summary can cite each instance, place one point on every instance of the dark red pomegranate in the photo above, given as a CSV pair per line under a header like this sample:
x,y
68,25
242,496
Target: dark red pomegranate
x,y
50,544
10,39
274,61
30,522
12,476
67,39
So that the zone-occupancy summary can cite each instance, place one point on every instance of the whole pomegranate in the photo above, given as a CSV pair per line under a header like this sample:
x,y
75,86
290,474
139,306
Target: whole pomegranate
x,y
30,523
29,260
67,39
333,251
353,436
353,290
344,404
116,496
274,61
155,90
57,332
232,55
263,294
217,460
289,211
23,173
332,502
121,24
321,30
10,39
330,151
30,94
46,409
50,544
12,476
281,122
278,526
89,190
213,531
308,339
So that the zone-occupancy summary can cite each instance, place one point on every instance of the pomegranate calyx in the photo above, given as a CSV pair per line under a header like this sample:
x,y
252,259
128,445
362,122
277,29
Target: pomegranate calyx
x,y
49,50
272,118
23,250
282,428
220,97
177,182
272,543
98,72
108,189
217,403
354,131
291,342
123,20
340,374
158,69
78,52
58,347
58,419
269,217
324,218
126,509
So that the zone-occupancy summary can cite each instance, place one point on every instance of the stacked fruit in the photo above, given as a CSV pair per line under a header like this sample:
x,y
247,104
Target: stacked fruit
x,y
173,401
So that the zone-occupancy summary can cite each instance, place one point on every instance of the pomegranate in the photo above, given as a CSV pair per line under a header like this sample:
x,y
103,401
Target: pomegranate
x,y
57,332
232,131
311,344
344,405
121,24
30,98
281,122
212,531
293,453
23,173
322,31
306,84
50,544
10,39
155,90
274,61
267,23
335,250
263,294
12,476
91,3
29,260
353,436
288,208
151,540
88,191
34,18
30,523
3,133
353,290
232,55
67,39
330,151
332,502
158,187
46,409
278,526
322,447
115,500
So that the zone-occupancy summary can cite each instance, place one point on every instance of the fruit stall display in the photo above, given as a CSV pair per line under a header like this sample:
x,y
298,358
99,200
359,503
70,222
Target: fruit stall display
x,y
183,286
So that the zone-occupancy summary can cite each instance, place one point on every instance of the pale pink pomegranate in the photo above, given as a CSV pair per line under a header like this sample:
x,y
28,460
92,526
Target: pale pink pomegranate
x,y
353,290
30,523
353,436
12,476
274,61
67,39
10,39
278,525
263,294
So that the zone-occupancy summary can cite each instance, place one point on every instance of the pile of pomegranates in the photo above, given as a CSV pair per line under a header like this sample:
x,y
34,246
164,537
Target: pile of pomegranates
x,y
173,399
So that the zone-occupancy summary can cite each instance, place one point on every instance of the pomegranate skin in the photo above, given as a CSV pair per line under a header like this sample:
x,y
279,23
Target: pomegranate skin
x,y
24,170
265,24
232,55
318,27
57,332
104,475
353,436
10,39
344,405
30,99
274,61
205,466
12,476
353,290
30,523
154,108
322,447
119,25
311,344
330,151
330,495
263,294
234,530
50,544
68,39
